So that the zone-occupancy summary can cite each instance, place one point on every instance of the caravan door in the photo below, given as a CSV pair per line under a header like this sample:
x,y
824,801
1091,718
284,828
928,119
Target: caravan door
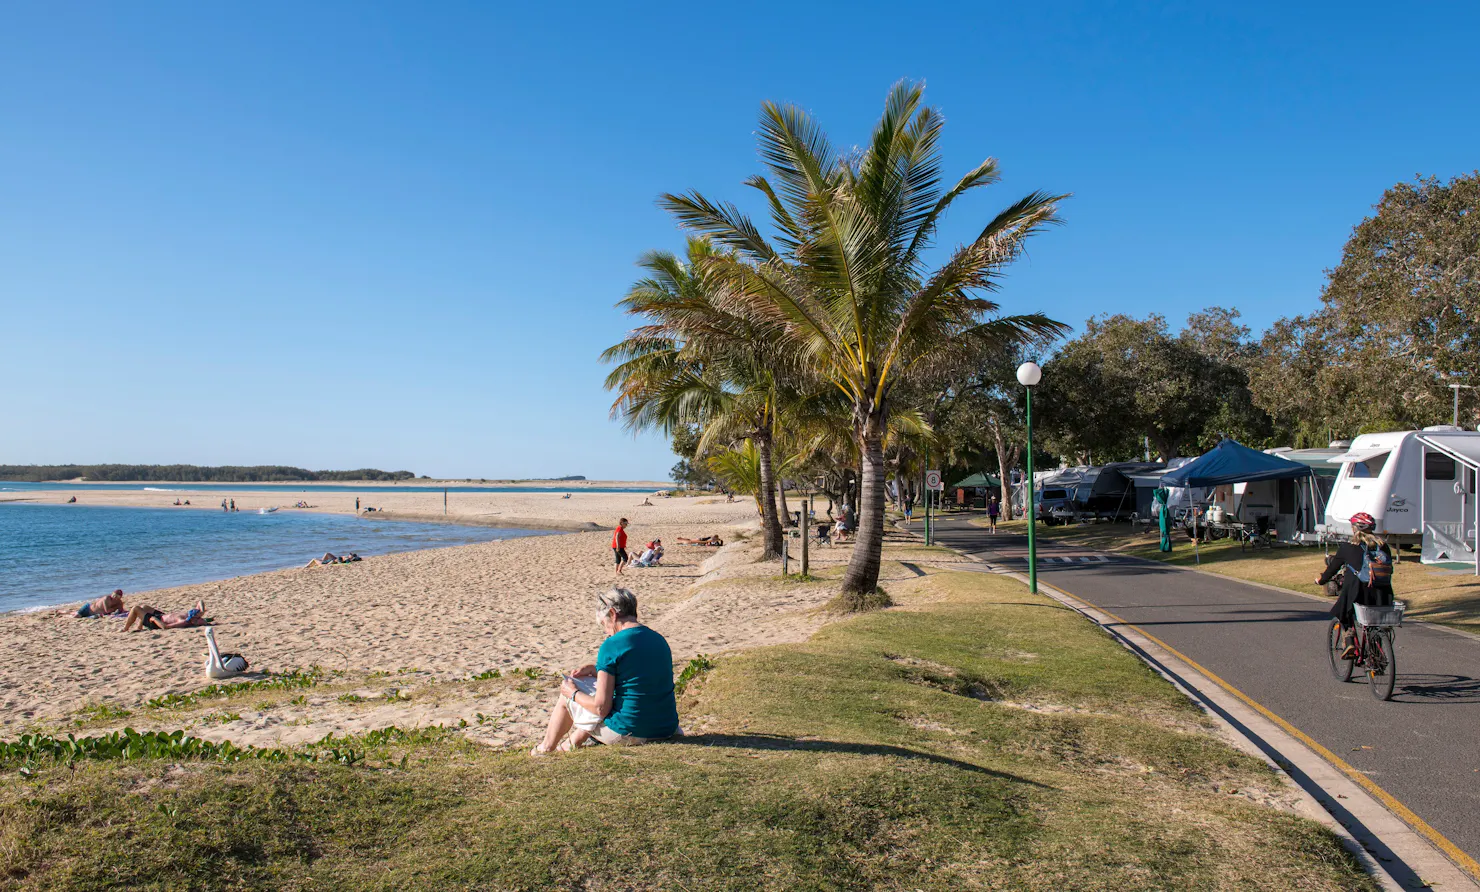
x,y
1449,498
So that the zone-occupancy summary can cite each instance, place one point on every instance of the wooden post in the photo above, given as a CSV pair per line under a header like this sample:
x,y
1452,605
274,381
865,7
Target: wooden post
x,y
785,557
806,506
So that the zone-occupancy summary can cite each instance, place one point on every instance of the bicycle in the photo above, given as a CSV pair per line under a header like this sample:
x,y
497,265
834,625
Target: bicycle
x,y
1374,647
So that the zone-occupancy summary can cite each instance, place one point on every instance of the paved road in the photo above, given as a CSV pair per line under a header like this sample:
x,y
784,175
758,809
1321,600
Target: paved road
x,y
1423,746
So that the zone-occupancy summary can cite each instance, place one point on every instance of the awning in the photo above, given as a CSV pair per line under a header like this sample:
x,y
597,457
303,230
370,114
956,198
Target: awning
x,y
1359,455
1464,447
1232,462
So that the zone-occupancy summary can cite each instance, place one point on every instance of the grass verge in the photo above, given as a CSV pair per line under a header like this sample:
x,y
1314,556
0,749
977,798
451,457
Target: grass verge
x,y
979,737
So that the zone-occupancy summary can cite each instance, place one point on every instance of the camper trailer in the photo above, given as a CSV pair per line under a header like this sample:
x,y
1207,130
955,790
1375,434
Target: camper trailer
x,y
1111,492
1055,498
1403,482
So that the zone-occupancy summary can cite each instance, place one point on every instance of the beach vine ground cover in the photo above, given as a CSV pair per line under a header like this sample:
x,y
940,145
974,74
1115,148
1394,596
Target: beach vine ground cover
x,y
979,737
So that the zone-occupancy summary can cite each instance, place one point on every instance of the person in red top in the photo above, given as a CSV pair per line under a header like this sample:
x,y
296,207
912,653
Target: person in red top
x,y
619,544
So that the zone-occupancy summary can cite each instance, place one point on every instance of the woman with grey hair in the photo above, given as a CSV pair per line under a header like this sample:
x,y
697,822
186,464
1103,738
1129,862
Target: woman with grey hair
x,y
626,696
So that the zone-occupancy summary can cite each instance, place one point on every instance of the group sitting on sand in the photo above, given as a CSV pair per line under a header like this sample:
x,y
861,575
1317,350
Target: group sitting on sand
x,y
652,554
626,696
332,558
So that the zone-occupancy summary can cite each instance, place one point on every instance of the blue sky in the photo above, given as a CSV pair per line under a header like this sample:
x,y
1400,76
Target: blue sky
x,y
387,234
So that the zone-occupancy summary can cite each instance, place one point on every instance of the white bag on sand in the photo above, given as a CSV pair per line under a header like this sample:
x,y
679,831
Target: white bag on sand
x,y
219,666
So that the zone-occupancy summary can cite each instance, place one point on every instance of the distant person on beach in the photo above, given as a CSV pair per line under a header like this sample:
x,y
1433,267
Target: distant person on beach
x,y
619,545
357,505
708,541
332,558
151,619
646,503
177,501
104,606
223,505
72,501
626,696
233,504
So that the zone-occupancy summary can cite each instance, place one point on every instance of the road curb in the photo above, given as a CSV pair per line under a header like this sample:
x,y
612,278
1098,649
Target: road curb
x,y
1391,849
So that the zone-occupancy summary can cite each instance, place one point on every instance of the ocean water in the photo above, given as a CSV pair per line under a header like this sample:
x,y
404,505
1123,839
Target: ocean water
x,y
56,554
290,488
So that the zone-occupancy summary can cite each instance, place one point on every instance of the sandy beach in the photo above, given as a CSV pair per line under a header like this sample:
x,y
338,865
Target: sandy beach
x,y
428,620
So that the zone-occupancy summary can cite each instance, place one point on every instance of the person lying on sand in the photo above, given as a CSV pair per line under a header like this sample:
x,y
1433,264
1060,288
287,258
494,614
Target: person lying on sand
x,y
152,619
711,541
645,503
332,558
626,696
104,606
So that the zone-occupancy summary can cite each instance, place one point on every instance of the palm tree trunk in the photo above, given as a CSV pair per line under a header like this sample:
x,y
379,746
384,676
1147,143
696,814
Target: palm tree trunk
x,y
861,580
785,509
770,525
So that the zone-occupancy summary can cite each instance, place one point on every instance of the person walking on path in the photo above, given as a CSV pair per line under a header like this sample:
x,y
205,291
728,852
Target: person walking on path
x,y
619,545
993,509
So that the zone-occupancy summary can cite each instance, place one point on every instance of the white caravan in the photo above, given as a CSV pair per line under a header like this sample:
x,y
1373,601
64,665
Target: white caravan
x,y
1402,482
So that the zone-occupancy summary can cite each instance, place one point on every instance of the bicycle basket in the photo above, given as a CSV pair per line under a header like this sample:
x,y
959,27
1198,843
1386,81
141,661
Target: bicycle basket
x,y
1391,615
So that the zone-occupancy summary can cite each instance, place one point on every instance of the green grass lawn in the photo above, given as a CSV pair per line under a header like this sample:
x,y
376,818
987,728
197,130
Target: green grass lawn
x,y
975,737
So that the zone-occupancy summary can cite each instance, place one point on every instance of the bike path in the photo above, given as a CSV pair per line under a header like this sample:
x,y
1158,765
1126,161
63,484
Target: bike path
x,y
1422,747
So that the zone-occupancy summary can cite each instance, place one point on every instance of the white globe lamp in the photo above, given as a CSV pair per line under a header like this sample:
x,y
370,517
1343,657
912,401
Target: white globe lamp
x,y
1029,374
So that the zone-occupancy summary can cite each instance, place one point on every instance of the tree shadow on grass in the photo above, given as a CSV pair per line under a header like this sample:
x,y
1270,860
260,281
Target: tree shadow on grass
x,y
782,743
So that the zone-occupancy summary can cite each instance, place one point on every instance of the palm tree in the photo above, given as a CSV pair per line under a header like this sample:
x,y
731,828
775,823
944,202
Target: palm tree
x,y
696,362
846,284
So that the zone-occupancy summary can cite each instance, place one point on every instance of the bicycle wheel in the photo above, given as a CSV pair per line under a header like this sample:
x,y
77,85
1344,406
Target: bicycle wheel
x,y
1340,668
1382,664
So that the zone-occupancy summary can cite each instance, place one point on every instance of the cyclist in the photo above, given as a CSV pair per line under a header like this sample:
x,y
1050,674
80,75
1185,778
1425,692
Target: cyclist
x,y
1365,564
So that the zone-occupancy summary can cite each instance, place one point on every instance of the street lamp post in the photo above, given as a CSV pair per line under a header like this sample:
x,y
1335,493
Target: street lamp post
x,y
1028,375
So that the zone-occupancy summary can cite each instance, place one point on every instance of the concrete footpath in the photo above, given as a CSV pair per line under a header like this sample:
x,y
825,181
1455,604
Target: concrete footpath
x,y
1257,658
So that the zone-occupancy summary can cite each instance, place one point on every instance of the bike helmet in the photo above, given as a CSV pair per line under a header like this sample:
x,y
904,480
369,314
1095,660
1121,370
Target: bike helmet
x,y
1363,521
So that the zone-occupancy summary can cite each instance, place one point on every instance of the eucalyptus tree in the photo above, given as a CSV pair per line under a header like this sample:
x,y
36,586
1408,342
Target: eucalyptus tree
x,y
844,282
695,361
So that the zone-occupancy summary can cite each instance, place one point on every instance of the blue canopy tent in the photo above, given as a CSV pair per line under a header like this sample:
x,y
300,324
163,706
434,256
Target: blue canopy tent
x,y
1232,462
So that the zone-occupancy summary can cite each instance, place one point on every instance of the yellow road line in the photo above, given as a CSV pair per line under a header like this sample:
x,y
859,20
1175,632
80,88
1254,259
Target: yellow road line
x,y
1465,862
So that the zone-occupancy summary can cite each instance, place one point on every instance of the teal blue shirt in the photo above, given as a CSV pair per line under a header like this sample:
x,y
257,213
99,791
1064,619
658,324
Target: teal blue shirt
x,y
642,698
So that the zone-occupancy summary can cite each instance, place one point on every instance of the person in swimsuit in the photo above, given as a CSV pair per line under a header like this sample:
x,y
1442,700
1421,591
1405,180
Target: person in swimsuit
x,y
104,606
153,619
332,558
710,541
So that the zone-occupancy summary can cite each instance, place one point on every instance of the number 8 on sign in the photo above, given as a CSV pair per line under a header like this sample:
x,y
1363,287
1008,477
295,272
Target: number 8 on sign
x,y
932,481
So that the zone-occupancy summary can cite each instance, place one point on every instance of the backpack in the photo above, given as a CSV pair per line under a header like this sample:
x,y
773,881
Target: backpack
x,y
1376,569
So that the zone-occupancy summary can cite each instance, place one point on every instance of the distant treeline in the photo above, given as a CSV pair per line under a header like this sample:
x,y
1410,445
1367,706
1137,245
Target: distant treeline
x,y
191,473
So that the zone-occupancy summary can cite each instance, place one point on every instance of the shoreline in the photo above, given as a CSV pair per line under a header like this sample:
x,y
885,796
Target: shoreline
x,y
439,613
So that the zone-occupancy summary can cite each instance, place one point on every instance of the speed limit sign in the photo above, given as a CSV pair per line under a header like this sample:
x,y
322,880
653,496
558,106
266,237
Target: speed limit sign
x,y
932,481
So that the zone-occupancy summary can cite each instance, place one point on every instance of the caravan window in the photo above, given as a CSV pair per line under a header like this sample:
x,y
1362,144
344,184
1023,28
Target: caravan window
x,y
1437,466
1372,467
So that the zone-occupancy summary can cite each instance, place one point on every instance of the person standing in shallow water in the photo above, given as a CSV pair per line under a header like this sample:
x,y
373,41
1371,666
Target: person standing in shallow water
x,y
357,505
